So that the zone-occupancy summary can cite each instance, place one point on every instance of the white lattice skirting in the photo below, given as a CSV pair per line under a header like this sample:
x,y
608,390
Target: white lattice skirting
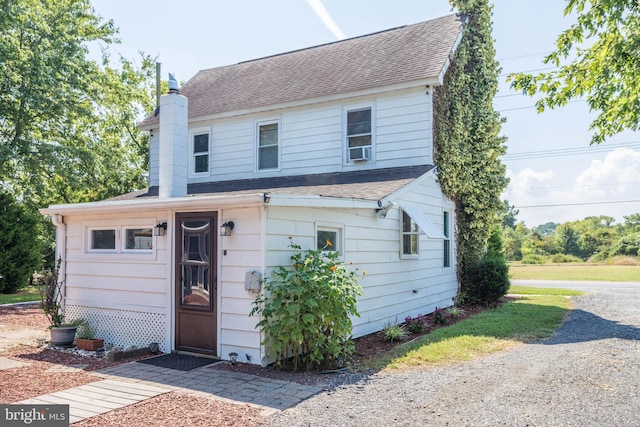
x,y
122,328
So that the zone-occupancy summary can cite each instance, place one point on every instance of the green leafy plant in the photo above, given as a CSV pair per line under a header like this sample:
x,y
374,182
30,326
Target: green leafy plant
x,y
416,325
440,316
85,330
394,331
305,310
456,311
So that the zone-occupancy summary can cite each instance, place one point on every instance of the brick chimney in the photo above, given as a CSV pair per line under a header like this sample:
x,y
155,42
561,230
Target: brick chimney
x,y
174,145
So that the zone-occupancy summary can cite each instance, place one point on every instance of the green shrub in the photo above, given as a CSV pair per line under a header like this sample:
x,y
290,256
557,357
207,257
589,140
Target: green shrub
x,y
489,281
533,259
305,310
20,247
562,258
394,332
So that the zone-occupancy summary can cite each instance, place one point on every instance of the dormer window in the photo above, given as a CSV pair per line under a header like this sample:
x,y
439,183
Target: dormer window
x,y
359,135
199,162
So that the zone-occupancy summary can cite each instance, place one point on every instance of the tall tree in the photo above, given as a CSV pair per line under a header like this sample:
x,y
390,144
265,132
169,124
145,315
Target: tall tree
x,y
67,123
596,59
466,135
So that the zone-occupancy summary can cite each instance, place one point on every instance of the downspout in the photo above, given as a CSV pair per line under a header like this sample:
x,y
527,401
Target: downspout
x,y
61,248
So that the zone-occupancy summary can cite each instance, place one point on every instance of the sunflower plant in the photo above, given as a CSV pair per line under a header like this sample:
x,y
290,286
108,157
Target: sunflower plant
x,y
306,310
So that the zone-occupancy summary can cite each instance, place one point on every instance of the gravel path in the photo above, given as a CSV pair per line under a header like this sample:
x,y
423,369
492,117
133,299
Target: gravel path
x,y
587,374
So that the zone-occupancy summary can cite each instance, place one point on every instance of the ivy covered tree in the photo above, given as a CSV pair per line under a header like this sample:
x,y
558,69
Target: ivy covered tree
x,y
68,123
20,246
467,145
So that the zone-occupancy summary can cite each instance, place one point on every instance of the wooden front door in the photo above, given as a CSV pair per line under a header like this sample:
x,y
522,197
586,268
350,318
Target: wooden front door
x,y
196,282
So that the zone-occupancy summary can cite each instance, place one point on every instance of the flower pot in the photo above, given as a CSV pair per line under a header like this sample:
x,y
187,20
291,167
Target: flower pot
x,y
62,336
89,344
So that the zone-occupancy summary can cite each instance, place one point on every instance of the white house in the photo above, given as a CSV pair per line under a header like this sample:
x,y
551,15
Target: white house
x,y
330,142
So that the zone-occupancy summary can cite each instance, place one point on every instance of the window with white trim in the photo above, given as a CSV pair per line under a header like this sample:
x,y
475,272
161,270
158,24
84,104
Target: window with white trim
x,y
447,240
138,239
102,239
268,145
359,134
199,153
410,236
135,237
329,239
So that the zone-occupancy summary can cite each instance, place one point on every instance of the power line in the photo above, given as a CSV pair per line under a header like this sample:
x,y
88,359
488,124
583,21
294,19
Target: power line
x,y
576,204
570,151
524,56
535,106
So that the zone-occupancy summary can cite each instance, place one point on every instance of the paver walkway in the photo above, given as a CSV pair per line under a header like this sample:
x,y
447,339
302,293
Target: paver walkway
x,y
134,382
97,398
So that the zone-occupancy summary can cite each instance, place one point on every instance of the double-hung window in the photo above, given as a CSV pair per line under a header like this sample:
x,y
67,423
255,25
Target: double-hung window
x,y
410,235
447,240
268,146
359,135
199,164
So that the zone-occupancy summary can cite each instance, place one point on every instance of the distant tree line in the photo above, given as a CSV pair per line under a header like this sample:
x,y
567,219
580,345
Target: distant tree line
x,y
595,239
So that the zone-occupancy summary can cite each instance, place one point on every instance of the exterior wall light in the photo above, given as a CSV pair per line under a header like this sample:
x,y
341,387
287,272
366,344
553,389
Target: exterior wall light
x,y
160,229
225,229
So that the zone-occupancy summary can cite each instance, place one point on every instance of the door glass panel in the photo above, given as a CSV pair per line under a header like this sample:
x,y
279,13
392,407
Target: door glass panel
x,y
196,246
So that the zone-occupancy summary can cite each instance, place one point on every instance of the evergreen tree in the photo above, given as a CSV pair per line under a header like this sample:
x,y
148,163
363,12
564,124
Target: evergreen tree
x,y
20,247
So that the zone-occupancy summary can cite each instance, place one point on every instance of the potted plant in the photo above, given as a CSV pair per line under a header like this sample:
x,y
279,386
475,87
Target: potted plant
x,y
50,288
85,338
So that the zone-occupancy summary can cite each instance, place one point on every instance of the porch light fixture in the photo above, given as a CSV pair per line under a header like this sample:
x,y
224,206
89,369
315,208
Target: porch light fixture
x,y
225,229
233,357
160,229
266,197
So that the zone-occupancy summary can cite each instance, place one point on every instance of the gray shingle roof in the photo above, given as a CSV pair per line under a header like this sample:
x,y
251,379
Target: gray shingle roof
x,y
372,184
399,55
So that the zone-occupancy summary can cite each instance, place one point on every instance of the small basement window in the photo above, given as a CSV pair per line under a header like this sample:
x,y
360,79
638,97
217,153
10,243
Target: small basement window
x,y
329,239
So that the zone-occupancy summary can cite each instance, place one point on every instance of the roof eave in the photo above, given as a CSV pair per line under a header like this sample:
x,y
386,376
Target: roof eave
x,y
427,81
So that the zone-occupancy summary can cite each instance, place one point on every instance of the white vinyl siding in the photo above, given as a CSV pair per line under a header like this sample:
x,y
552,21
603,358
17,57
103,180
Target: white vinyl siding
x,y
372,244
313,138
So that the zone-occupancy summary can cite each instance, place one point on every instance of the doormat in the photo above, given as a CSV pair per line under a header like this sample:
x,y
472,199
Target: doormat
x,y
181,362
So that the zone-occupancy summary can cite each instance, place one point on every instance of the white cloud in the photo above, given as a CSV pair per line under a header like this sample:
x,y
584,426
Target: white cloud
x,y
326,19
594,191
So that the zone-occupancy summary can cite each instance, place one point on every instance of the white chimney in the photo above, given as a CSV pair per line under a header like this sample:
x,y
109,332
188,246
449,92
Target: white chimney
x,y
174,145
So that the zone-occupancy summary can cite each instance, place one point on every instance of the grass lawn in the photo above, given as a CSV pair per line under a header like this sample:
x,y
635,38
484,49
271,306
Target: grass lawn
x,y
30,293
616,273
530,317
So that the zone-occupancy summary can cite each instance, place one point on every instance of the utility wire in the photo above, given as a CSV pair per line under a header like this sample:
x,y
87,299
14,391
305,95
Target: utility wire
x,y
569,151
576,204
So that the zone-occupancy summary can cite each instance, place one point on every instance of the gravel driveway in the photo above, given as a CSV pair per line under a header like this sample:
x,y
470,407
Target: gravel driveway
x,y
587,374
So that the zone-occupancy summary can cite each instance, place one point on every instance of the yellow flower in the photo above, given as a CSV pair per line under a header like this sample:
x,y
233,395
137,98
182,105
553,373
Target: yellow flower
x,y
334,268
329,243
364,272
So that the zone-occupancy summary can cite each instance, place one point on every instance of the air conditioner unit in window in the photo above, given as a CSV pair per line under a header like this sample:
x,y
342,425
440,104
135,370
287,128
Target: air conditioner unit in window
x,y
359,154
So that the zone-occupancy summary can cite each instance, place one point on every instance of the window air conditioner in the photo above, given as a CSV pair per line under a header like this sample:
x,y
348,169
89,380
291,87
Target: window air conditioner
x,y
359,154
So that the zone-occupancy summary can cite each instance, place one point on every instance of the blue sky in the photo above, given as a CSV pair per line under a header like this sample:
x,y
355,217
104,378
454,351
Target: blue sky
x,y
555,175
